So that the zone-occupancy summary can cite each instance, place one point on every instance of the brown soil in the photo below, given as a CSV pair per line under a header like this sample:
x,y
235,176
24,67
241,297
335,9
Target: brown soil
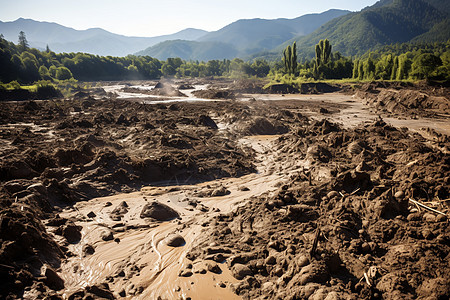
x,y
108,198
405,99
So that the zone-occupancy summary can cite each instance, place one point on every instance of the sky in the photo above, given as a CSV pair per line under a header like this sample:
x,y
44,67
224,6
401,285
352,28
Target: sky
x,y
153,18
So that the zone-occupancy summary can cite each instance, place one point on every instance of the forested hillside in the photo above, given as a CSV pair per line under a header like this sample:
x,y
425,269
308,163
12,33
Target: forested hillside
x,y
386,22
398,62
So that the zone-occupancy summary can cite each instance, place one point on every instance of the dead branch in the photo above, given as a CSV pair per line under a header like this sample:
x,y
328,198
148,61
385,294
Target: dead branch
x,y
426,207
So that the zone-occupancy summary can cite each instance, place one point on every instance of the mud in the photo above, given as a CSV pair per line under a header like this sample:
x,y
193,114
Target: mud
x,y
290,197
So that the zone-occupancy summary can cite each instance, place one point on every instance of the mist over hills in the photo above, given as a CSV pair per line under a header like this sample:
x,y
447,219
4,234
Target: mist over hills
x,y
244,37
94,40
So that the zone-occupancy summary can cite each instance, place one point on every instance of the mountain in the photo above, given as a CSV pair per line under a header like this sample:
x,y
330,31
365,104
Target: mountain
x,y
95,40
386,22
242,38
191,50
253,35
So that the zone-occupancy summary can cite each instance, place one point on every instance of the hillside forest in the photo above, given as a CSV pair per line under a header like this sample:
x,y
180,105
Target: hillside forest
x,y
24,65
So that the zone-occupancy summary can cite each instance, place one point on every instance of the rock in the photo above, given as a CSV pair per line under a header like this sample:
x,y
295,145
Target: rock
x,y
302,261
52,279
222,191
213,267
239,271
158,211
399,195
175,240
185,273
72,233
414,217
88,250
278,272
100,292
267,286
91,215
332,194
38,188
428,217
315,272
107,236
271,260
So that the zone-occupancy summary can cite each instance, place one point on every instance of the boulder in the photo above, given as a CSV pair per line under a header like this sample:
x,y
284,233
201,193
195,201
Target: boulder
x,y
158,211
52,279
175,240
239,271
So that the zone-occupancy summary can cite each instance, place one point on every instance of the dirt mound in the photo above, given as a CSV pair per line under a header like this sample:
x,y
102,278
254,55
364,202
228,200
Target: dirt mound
x,y
160,89
353,234
158,211
282,88
247,86
214,94
318,88
405,99
262,126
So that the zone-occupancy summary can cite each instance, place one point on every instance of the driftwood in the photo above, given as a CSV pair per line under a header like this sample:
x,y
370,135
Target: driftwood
x,y
426,207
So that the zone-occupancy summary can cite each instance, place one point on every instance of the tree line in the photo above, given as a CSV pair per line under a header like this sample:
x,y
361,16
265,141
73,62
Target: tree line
x,y
397,62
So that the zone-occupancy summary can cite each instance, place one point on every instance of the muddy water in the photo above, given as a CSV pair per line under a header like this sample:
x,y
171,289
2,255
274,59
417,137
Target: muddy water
x,y
352,112
139,262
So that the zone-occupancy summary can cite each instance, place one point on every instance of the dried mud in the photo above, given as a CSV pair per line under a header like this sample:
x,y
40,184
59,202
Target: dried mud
x,y
229,199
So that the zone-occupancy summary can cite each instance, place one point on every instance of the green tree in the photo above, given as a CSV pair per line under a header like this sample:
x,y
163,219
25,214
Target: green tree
x,y
290,59
323,52
62,73
424,65
23,43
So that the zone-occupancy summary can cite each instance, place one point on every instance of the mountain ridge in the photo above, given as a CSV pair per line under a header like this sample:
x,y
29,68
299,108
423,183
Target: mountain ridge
x,y
66,39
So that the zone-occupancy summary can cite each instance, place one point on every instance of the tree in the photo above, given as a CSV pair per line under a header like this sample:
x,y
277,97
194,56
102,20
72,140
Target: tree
x,y
47,49
290,59
323,52
23,43
424,65
62,73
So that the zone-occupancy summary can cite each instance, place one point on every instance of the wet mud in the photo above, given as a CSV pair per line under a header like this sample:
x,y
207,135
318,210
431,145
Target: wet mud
x,y
263,197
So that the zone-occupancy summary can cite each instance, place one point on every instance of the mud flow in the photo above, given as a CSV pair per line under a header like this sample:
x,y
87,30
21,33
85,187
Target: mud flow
x,y
219,190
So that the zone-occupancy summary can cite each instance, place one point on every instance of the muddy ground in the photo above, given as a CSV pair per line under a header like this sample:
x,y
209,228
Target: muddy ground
x,y
267,198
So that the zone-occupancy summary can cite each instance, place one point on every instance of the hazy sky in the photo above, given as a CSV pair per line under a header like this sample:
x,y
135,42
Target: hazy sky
x,y
151,18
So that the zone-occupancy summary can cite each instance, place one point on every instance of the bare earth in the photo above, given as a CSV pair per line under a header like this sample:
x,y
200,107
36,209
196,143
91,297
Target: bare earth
x,y
139,193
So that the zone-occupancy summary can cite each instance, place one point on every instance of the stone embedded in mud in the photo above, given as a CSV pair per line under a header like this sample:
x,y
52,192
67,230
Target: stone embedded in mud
x,y
239,271
271,260
213,267
185,273
207,121
332,194
399,195
158,211
301,213
107,236
88,250
101,292
222,191
52,279
72,233
175,240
